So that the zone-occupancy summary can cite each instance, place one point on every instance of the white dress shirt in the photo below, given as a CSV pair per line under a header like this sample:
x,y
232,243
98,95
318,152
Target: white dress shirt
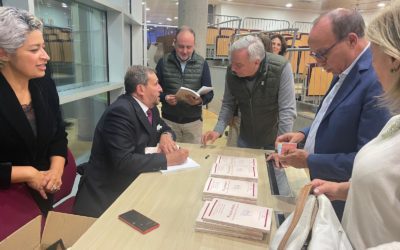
x,y
310,142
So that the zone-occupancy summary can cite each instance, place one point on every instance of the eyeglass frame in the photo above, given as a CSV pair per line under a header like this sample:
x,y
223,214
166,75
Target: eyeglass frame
x,y
322,56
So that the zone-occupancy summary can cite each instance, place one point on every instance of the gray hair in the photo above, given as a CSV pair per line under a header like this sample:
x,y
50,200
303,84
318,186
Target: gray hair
x,y
344,21
136,75
253,45
15,24
384,31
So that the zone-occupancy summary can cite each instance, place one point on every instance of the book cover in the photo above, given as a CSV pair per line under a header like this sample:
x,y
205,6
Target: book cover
x,y
230,188
238,172
184,94
236,161
239,214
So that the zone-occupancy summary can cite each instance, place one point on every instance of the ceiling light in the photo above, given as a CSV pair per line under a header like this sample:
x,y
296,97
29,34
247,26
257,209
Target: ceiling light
x,y
64,5
175,17
381,5
159,23
177,3
147,9
168,19
143,3
289,5
148,21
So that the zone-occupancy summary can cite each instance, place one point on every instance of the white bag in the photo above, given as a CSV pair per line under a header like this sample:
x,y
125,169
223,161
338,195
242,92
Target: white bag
x,y
313,217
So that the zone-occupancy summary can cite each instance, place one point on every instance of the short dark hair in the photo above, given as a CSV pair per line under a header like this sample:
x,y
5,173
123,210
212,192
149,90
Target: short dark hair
x,y
345,21
283,43
135,75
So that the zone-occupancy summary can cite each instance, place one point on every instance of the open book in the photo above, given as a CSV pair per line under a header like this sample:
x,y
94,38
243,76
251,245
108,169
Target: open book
x,y
184,94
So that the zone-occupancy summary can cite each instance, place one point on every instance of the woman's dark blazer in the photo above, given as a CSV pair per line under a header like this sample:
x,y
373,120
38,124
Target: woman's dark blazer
x,y
18,144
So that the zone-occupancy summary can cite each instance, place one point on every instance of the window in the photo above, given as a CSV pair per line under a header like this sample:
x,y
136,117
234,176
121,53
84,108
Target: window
x,y
75,36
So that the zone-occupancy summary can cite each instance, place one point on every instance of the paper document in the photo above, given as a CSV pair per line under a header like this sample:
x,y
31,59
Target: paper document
x,y
189,163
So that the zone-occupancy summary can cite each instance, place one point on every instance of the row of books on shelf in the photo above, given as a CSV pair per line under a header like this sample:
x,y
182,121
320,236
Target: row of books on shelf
x,y
230,194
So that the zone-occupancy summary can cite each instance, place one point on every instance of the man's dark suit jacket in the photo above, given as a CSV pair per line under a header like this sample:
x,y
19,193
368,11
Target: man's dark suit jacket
x,y
117,156
18,144
352,120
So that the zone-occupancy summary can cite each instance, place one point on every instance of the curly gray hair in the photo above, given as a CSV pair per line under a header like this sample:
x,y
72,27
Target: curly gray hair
x,y
254,46
15,24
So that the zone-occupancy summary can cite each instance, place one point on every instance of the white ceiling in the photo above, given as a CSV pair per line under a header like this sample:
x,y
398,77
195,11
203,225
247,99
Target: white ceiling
x,y
162,9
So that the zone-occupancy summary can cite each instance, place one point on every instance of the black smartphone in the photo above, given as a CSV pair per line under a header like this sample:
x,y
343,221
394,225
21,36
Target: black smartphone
x,y
138,221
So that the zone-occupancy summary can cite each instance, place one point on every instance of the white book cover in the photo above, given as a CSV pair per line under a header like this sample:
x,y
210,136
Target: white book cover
x,y
239,214
236,161
184,93
229,187
215,227
235,172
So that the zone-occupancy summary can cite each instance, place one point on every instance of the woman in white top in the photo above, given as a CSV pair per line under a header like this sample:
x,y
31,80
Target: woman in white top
x,y
372,212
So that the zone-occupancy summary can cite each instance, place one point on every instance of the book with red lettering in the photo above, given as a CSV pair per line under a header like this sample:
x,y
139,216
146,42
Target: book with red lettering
x,y
236,172
243,191
240,215
215,228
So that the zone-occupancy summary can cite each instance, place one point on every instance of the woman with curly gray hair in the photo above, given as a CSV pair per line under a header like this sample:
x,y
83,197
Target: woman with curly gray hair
x,y
33,144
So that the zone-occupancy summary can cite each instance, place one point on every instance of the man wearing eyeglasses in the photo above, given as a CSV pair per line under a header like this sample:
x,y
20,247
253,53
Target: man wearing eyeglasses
x,y
349,115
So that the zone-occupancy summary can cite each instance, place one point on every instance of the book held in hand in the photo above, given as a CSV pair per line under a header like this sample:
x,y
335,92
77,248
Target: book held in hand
x,y
184,93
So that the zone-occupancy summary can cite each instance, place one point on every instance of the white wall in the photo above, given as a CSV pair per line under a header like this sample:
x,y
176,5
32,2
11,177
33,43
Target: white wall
x,y
274,13
264,12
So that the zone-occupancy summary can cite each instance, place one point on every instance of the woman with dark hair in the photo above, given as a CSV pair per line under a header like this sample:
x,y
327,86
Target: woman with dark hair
x,y
278,44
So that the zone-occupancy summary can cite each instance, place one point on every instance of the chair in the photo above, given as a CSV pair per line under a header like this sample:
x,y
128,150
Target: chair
x,y
68,180
222,49
319,81
17,208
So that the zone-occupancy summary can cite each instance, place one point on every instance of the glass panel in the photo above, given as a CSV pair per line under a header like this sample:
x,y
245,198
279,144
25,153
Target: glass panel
x,y
82,117
75,36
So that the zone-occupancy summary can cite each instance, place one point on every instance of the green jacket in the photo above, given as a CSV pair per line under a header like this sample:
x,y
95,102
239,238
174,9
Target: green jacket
x,y
259,108
174,79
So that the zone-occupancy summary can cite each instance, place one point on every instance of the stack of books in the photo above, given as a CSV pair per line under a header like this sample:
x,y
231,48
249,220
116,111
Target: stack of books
x,y
244,172
235,219
233,178
236,190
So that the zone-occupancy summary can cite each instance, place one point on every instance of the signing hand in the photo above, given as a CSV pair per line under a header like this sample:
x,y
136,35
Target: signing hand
x,y
171,100
167,144
177,157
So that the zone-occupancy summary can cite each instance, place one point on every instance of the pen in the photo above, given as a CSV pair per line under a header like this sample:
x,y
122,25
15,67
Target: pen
x,y
207,156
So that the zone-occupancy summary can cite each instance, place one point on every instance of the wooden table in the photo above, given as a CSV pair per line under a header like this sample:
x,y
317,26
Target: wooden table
x,y
174,200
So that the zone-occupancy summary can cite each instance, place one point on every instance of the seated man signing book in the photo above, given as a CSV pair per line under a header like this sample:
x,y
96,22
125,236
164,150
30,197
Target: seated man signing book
x,y
183,67
127,127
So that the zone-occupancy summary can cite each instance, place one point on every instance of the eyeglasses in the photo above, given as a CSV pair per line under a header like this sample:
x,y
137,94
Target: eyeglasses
x,y
322,56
